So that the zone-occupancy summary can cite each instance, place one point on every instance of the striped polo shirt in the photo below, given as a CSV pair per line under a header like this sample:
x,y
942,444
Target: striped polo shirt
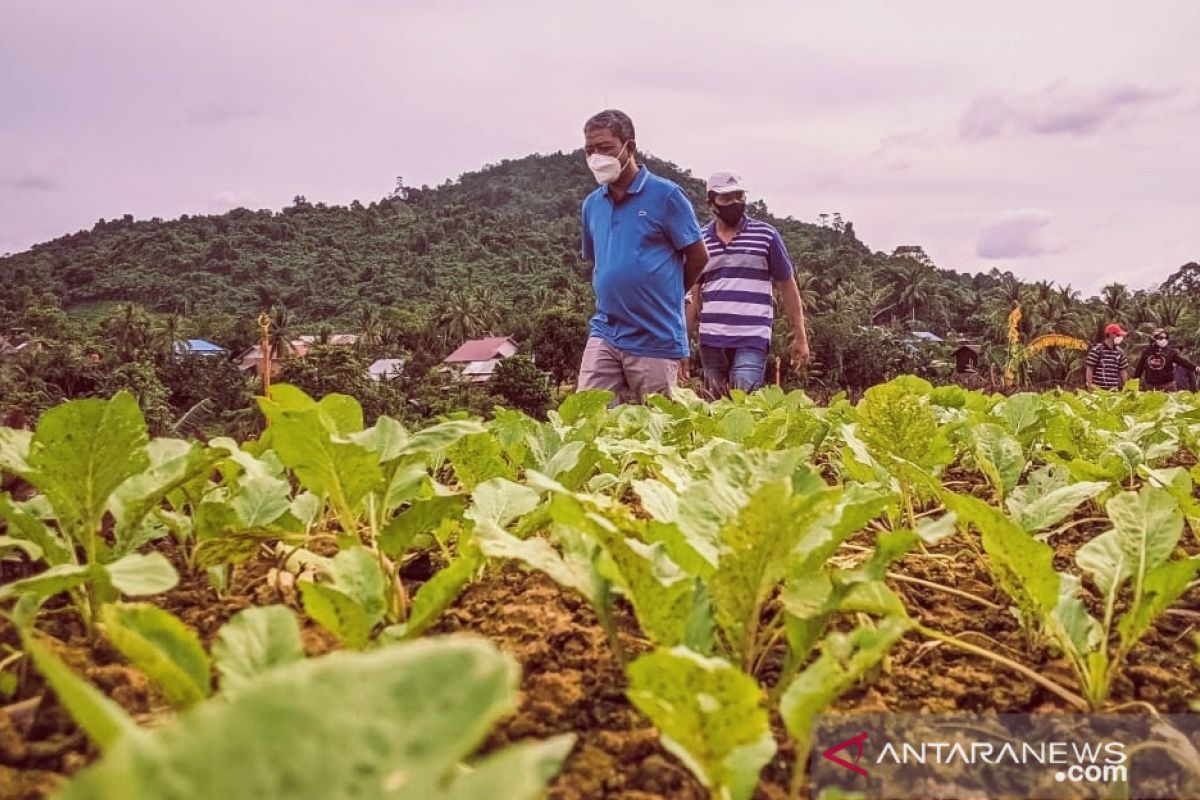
x,y
1106,363
735,288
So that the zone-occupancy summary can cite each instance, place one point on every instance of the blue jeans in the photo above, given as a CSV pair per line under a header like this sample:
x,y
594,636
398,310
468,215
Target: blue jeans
x,y
737,368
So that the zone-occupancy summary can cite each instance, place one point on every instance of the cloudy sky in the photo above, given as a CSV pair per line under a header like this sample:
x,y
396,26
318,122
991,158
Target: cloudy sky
x,y
1059,140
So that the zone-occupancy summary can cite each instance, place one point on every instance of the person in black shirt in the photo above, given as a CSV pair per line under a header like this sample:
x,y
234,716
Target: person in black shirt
x,y
1158,363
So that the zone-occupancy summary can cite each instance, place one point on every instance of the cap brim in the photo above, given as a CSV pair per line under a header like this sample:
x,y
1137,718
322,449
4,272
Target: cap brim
x,y
728,189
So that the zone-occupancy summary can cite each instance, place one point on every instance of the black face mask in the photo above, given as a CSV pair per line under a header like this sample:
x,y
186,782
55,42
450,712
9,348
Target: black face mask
x,y
731,214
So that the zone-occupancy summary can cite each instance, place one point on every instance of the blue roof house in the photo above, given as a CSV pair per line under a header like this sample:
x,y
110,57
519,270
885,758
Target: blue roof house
x,y
198,347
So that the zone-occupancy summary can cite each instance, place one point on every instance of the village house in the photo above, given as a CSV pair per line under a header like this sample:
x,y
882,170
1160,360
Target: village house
x,y
184,348
252,357
385,369
477,359
13,347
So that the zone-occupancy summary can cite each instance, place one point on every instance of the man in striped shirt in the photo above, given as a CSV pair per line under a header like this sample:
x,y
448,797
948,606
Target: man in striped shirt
x,y
733,303
1106,366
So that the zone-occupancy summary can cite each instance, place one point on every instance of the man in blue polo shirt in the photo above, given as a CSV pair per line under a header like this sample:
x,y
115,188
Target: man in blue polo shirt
x,y
642,234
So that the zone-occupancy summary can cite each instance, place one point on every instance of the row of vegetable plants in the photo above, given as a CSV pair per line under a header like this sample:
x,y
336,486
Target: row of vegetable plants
x,y
726,527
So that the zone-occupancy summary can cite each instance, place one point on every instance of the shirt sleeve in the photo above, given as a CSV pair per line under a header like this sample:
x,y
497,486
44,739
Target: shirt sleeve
x,y
778,262
1093,357
679,220
588,250
1122,361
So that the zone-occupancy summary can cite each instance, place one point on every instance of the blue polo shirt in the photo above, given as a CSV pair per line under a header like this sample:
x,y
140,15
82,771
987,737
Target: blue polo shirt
x,y
637,244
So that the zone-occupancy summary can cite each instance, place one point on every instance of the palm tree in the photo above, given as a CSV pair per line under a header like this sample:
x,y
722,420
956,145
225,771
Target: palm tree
x,y
132,330
806,283
1043,292
282,331
1115,297
370,330
912,283
1010,292
1067,296
1170,309
1141,311
168,332
486,308
457,318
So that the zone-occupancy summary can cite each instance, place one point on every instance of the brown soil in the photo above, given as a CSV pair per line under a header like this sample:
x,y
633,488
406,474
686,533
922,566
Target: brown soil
x,y
572,682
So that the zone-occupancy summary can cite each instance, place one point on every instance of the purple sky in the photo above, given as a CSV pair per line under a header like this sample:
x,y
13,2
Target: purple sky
x,y
1059,140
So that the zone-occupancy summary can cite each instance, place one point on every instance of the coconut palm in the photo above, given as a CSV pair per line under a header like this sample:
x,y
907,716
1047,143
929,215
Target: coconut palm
x,y
282,331
912,284
1170,309
1115,298
1010,292
164,336
370,329
129,330
457,318
806,283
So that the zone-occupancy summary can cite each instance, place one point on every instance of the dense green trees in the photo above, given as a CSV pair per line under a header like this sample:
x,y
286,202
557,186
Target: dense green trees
x,y
521,385
493,252
559,336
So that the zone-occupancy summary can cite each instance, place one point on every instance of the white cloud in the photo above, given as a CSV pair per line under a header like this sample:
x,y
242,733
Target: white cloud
x,y
1016,234
857,108
1057,110
29,182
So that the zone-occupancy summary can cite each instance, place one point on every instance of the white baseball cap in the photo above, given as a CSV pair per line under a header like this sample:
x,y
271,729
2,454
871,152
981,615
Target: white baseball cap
x,y
724,182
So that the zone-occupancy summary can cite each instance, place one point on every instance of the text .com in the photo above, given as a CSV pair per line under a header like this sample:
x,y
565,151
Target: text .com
x,y
1093,773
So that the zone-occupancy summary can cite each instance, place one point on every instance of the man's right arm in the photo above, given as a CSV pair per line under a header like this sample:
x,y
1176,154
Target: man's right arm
x,y
679,224
1141,365
695,257
588,249
692,312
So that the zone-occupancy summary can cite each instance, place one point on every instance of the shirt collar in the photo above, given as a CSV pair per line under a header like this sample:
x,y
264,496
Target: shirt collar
x,y
639,182
712,225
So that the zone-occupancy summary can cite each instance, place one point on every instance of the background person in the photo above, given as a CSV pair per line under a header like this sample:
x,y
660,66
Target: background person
x,y
733,307
1106,366
1159,362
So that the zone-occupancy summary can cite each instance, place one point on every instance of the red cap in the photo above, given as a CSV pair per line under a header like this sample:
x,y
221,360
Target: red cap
x,y
1114,330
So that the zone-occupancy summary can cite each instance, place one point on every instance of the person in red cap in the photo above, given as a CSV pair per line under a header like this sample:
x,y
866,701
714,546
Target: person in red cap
x,y
1106,366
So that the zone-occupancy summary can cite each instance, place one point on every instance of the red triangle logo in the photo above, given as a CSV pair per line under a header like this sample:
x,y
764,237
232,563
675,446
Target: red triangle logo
x,y
855,744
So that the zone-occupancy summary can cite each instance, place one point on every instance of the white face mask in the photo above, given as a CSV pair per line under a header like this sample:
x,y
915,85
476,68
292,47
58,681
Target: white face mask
x,y
606,169
1118,339
1161,342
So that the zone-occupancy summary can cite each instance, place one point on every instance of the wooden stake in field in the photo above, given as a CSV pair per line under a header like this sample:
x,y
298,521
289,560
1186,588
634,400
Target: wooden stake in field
x,y
264,326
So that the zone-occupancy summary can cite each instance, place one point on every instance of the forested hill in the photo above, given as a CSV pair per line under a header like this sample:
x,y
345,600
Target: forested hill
x,y
481,253
512,228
